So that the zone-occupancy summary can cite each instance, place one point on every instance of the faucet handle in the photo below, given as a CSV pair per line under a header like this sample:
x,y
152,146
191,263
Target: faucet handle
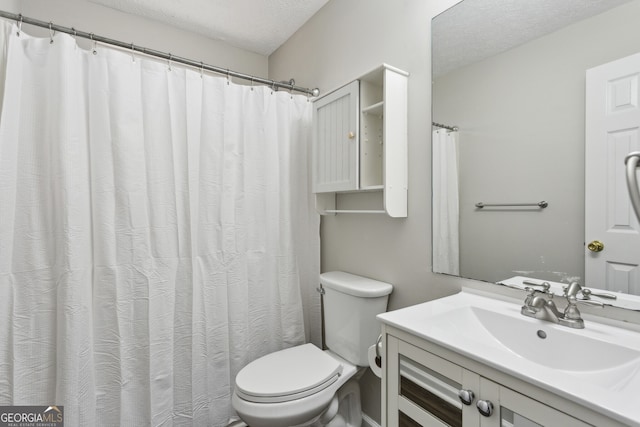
x,y
572,300
532,293
589,302
544,285
587,293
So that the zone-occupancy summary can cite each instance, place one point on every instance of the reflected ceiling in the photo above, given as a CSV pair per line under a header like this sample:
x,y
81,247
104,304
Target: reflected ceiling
x,y
483,28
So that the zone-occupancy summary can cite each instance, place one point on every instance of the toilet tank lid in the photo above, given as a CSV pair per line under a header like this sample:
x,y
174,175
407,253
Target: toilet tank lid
x,y
352,284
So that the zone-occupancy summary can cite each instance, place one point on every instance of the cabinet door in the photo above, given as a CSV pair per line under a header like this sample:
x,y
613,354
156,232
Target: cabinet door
x,y
336,140
422,389
517,410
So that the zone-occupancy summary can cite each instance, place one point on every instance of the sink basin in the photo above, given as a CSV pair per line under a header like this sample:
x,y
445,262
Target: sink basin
x,y
558,347
598,367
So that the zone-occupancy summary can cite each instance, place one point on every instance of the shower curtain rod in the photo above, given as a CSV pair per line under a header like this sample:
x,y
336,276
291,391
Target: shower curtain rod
x,y
290,85
439,125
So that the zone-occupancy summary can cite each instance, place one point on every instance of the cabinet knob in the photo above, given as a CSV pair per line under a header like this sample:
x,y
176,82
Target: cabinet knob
x,y
351,135
485,407
466,396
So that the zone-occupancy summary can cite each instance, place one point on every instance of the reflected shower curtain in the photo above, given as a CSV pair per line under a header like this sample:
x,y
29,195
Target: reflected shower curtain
x,y
446,252
156,234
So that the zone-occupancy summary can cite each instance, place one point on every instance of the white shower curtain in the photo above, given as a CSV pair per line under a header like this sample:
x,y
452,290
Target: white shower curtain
x,y
446,252
156,234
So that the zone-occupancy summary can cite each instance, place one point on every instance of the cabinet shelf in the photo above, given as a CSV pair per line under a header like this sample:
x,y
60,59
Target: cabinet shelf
x,y
376,109
360,142
359,211
373,188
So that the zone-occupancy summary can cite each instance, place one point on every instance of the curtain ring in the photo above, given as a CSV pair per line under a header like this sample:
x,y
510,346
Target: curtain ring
x,y
75,40
227,77
170,57
251,83
291,91
51,33
133,53
95,44
19,25
201,69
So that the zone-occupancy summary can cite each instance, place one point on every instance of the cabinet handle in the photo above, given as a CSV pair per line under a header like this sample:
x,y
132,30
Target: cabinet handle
x,y
485,407
351,135
466,396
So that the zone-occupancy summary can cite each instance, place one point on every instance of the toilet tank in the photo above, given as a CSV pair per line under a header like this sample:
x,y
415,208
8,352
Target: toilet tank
x,y
351,304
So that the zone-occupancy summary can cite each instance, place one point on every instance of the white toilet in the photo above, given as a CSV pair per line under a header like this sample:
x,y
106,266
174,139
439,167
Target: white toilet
x,y
303,385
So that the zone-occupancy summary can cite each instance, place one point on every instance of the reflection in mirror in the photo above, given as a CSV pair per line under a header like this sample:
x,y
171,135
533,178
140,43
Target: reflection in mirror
x,y
510,74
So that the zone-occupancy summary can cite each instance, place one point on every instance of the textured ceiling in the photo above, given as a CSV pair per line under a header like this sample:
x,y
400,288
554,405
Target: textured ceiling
x,y
259,26
477,29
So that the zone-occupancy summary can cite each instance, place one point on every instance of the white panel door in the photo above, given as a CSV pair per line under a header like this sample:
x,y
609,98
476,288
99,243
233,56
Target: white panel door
x,y
335,140
612,131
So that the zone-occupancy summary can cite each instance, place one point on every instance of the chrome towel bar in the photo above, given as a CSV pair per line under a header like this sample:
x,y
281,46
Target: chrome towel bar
x,y
541,204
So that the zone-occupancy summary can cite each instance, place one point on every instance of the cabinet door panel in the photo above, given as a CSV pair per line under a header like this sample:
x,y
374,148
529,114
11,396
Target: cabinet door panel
x,y
428,387
441,409
406,421
335,140
518,410
417,414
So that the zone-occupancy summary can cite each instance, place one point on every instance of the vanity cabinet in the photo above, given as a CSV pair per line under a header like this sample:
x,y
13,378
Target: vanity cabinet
x,y
360,142
421,384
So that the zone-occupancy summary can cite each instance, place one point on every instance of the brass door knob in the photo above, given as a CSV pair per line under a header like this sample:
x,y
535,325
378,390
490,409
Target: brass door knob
x,y
351,135
595,246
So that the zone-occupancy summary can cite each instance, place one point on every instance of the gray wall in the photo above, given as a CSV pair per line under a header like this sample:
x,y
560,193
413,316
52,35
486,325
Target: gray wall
x,y
94,18
521,119
344,40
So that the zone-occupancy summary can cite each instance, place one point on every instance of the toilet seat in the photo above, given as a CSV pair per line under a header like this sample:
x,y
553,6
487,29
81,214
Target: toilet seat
x,y
287,375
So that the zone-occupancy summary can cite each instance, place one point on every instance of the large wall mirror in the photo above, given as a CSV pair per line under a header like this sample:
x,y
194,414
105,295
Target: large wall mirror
x,y
510,76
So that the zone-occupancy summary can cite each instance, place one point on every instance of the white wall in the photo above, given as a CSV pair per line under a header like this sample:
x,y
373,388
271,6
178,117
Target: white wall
x,y
343,40
9,5
521,119
90,17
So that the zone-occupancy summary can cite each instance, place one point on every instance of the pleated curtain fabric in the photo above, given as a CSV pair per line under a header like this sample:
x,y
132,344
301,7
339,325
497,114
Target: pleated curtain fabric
x,y
157,233
446,210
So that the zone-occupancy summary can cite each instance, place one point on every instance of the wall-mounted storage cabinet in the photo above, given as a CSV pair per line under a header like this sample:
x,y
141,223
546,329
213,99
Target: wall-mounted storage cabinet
x,y
360,142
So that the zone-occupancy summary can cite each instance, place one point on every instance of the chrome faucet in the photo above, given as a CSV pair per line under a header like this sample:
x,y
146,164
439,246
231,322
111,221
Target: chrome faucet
x,y
540,305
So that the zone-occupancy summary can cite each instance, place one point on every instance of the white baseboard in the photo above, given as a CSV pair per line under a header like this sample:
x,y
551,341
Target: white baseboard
x,y
367,421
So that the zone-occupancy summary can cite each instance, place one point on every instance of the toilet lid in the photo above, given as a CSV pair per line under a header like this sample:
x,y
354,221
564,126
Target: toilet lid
x,y
288,374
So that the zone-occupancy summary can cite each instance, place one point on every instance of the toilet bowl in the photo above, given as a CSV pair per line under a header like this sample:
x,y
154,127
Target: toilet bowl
x,y
290,387
306,386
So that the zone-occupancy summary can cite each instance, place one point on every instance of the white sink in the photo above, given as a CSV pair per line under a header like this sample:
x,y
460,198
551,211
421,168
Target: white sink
x,y
598,365
557,347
